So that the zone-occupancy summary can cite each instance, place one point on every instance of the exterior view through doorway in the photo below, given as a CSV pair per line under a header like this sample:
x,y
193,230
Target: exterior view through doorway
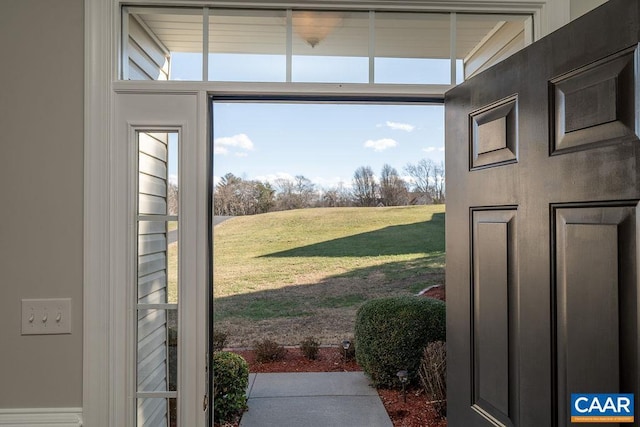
x,y
332,204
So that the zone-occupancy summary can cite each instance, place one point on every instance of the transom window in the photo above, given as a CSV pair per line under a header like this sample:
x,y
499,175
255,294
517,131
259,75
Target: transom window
x,y
315,46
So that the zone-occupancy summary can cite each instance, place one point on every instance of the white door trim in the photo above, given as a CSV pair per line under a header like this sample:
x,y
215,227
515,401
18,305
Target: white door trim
x,y
97,399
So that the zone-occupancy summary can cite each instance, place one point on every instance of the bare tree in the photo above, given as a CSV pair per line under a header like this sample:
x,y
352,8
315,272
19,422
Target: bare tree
x,y
364,186
172,198
428,180
295,194
393,189
439,185
336,197
422,174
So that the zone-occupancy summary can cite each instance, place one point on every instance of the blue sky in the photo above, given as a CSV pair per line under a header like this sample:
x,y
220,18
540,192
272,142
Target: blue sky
x,y
324,142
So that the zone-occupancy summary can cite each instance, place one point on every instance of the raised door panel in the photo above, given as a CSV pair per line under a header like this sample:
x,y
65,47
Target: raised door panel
x,y
596,301
494,319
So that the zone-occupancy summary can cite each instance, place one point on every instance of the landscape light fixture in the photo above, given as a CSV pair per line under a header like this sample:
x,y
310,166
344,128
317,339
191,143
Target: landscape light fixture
x,y
403,376
345,345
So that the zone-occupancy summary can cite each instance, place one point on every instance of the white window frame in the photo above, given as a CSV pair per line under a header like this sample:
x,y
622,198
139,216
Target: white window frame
x,y
103,402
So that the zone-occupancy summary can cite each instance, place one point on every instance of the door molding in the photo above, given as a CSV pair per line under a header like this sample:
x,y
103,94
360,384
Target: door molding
x,y
99,404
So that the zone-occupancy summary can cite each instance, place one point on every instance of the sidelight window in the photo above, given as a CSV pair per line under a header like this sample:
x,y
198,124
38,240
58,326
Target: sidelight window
x,y
156,299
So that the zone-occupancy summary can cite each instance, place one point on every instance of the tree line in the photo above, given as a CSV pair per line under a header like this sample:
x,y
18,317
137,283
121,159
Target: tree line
x,y
426,185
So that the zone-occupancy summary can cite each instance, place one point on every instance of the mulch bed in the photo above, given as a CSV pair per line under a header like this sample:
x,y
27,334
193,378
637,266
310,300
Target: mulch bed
x,y
329,359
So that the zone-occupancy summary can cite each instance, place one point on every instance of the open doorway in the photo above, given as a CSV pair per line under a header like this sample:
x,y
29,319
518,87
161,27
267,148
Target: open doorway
x,y
330,205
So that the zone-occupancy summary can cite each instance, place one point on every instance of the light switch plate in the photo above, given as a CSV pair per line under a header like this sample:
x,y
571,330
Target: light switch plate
x,y
46,316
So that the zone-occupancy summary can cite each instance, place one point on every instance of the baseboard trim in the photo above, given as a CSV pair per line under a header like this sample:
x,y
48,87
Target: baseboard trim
x,y
41,417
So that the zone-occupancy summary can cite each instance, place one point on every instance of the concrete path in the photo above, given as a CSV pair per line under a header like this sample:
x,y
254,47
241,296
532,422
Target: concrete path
x,y
313,400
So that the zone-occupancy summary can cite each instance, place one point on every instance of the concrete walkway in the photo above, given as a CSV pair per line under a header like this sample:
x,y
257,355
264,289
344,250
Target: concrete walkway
x,y
324,399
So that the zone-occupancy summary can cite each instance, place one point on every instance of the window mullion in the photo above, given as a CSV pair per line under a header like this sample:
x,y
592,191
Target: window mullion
x,y
289,45
453,33
205,44
372,46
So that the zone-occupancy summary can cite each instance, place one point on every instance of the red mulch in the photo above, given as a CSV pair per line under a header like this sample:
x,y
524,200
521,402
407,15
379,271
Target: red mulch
x,y
416,412
329,360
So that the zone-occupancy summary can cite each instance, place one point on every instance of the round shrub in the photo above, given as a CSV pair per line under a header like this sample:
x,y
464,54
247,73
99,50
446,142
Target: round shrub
x,y
392,334
230,380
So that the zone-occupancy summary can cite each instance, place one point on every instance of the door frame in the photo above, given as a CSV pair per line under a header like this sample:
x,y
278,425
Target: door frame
x,y
103,404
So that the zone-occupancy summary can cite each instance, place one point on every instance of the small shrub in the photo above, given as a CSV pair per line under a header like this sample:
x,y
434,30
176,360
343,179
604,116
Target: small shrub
x,y
230,380
310,347
350,353
268,351
219,340
392,334
433,375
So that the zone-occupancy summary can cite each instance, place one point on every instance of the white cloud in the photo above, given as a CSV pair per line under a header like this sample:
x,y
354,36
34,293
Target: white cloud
x,y
217,149
400,126
173,179
239,142
380,144
273,177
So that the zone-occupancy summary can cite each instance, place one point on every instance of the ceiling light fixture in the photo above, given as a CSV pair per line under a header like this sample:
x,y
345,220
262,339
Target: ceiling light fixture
x,y
313,27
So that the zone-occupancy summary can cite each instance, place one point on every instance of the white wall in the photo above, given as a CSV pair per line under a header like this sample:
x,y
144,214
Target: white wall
x,y
41,196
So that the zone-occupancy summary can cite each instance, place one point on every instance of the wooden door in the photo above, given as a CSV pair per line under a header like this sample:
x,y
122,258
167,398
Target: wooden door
x,y
543,184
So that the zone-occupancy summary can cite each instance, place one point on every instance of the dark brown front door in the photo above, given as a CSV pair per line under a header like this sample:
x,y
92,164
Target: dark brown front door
x,y
543,185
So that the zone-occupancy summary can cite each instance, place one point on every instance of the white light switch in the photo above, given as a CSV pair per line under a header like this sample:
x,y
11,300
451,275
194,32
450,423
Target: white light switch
x,y
46,316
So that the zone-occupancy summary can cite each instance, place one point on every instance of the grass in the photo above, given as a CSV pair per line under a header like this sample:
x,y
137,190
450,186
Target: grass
x,y
292,274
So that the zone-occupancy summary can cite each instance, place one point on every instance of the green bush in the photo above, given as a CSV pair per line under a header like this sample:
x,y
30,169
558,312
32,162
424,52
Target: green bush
x,y
230,380
310,347
392,334
268,351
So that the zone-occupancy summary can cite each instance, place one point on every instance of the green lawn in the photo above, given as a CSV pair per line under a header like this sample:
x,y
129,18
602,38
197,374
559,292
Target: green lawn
x,y
286,275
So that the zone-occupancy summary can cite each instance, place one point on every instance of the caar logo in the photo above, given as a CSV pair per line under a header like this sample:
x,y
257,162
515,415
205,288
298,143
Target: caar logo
x,y
601,408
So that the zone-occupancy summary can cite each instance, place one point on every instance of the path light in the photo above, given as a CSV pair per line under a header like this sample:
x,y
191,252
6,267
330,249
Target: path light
x,y
403,377
345,345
